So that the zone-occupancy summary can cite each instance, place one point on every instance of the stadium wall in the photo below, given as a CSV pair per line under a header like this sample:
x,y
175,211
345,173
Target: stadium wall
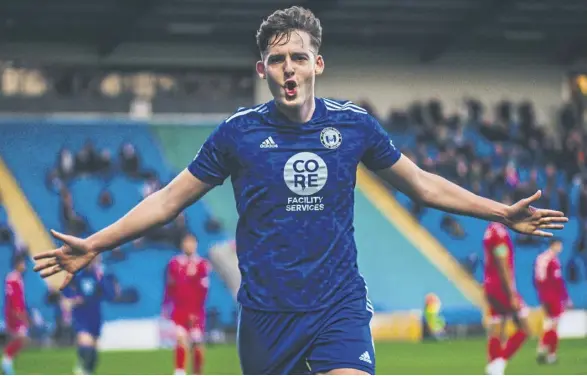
x,y
389,78
154,333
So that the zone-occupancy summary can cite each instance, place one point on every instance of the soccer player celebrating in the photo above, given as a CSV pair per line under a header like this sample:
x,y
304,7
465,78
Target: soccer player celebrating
x,y
85,295
186,291
552,293
503,299
15,314
302,302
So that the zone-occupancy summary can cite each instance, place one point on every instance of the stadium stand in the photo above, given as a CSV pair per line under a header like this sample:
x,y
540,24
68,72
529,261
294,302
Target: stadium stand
x,y
90,198
505,160
463,153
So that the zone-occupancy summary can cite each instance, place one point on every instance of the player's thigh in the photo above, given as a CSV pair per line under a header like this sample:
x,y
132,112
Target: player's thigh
x,y
552,313
85,338
20,332
197,331
344,344
273,342
182,333
520,317
344,371
496,325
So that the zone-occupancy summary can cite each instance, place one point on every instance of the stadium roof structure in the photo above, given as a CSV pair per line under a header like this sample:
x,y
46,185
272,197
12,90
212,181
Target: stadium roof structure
x,y
554,29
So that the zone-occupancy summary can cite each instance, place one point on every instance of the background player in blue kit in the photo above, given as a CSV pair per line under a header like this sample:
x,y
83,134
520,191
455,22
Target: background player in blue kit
x,y
86,293
303,304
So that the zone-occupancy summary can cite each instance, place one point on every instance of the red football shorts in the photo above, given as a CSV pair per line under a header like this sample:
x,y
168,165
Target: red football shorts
x,y
553,308
192,324
500,306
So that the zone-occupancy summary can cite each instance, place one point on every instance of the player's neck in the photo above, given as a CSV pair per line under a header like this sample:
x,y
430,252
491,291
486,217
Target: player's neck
x,y
301,114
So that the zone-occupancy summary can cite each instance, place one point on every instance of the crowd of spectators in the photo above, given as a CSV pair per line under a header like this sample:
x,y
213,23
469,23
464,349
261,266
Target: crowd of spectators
x,y
90,162
522,156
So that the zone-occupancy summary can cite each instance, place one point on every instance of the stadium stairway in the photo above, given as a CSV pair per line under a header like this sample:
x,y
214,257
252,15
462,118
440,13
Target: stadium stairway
x,y
30,148
397,273
30,230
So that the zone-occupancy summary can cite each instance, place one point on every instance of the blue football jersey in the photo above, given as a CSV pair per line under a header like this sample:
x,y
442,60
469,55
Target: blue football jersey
x,y
294,190
93,288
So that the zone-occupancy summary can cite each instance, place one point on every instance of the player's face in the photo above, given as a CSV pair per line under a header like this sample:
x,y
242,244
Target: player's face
x,y
21,267
557,247
189,245
290,69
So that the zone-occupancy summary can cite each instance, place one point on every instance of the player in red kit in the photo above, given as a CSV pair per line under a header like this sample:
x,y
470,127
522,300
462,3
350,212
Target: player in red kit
x,y
552,293
502,297
186,292
17,321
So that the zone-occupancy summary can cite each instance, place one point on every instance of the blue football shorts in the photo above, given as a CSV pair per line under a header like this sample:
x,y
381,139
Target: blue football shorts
x,y
86,325
307,342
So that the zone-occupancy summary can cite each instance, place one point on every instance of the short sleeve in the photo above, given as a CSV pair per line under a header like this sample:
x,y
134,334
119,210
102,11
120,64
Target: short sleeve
x,y
212,162
380,152
69,291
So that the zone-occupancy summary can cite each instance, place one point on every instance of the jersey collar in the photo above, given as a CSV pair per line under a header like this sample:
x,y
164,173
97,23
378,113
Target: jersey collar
x,y
277,118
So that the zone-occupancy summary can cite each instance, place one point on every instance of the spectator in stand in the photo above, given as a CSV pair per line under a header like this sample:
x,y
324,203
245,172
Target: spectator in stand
x,y
462,173
129,160
87,159
582,216
550,186
72,222
151,185
65,164
104,163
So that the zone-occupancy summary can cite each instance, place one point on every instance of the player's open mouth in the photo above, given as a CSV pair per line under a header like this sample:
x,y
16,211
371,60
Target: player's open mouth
x,y
291,88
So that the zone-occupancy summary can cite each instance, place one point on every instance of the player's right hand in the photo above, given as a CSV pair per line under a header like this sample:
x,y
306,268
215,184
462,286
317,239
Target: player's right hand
x,y
515,303
74,255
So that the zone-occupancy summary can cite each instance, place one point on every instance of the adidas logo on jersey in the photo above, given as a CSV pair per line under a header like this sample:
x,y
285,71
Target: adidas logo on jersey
x,y
366,358
268,143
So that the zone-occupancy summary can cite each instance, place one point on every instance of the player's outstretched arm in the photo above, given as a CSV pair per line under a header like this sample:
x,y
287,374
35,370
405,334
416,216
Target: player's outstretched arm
x,y
437,192
157,209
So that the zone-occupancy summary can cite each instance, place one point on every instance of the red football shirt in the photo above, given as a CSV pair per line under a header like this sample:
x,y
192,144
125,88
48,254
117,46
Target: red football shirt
x,y
497,243
14,301
548,278
187,283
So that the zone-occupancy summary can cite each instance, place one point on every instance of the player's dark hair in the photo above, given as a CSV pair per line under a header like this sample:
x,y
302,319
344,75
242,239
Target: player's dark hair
x,y
554,241
17,259
283,22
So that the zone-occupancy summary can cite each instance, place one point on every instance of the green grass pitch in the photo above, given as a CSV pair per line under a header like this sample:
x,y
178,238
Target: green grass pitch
x,y
450,357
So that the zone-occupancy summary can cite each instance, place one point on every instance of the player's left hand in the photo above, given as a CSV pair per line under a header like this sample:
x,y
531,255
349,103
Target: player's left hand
x,y
74,255
522,217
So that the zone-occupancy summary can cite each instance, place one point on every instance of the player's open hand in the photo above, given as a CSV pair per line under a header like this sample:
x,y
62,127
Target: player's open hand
x,y
74,255
522,217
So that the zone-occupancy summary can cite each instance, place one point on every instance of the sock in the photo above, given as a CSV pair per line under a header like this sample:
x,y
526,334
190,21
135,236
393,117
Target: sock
x,y
179,357
13,348
92,361
198,361
551,341
85,355
513,344
494,350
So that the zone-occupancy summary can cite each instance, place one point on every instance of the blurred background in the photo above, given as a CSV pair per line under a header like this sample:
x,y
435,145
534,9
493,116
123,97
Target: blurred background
x,y
103,102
